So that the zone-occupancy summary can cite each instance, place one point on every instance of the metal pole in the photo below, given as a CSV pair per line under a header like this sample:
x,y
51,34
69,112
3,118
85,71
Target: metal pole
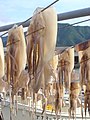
x,y
74,14
61,16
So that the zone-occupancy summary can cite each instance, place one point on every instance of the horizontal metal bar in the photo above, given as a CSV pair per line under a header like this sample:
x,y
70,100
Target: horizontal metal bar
x,y
74,14
61,16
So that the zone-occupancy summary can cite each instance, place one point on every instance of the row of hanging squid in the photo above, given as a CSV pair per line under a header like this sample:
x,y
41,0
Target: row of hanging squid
x,y
47,74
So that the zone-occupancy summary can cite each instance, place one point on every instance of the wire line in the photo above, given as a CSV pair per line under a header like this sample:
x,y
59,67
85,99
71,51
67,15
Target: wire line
x,y
31,17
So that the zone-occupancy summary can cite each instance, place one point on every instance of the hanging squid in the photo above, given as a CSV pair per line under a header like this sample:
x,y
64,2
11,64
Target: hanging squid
x,y
84,59
53,98
16,59
74,93
41,42
59,103
66,65
51,76
83,51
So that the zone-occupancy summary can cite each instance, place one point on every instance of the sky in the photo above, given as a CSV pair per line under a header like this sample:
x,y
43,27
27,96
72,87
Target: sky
x,y
12,11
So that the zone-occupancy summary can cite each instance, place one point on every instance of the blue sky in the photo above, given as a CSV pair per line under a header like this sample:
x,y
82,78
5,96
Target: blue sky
x,y
12,11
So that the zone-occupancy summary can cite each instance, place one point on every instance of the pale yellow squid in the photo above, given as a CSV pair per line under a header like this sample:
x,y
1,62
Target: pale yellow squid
x,y
83,50
16,60
65,66
41,41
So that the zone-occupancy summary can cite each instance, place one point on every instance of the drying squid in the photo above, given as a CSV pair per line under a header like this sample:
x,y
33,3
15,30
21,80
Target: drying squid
x,y
74,93
83,50
51,76
84,56
59,103
16,59
75,89
55,95
41,42
16,52
66,65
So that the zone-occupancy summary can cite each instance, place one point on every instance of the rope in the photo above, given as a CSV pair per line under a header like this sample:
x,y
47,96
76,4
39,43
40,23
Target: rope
x,y
34,31
68,25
